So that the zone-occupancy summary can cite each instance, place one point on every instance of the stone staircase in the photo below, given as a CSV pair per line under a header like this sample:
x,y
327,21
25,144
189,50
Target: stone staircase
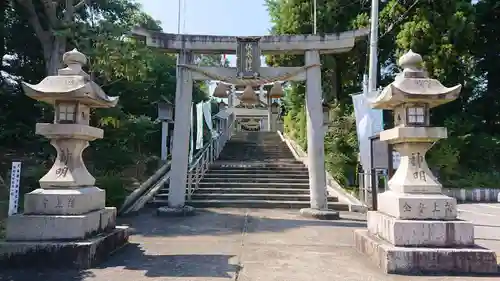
x,y
254,170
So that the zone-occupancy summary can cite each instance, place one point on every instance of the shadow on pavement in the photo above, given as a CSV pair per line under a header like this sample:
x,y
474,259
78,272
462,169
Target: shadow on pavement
x,y
133,257
208,222
45,275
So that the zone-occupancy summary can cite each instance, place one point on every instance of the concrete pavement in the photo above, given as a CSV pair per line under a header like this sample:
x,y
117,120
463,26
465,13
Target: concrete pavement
x,y
486,218
251,245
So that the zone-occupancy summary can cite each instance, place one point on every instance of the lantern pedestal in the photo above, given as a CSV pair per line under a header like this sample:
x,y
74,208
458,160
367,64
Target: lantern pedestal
x,y
420,260
65,222
76,254
69,140
415,229
62,228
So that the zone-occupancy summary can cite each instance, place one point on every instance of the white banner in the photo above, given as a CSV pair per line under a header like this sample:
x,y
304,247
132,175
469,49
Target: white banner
x,y
368,123
15,179
207,113
199,125
191,137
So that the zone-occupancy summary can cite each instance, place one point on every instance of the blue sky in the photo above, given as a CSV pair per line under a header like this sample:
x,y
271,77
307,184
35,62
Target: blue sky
x,y
216,17
211,17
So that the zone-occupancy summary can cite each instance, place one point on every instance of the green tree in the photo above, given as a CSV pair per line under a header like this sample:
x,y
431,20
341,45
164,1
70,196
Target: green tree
x,y
458,40
123,67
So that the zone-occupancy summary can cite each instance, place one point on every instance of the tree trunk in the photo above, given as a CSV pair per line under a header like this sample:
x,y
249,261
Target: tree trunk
x,y
334,81
53,50
53,46
3,11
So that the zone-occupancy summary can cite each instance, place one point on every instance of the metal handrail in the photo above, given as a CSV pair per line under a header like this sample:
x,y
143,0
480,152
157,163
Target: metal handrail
x,y
142,189
208,155
196,170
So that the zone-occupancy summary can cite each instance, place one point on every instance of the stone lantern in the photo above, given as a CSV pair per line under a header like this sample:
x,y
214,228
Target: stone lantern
x,y
166,116
275,108
415,228
221,91
222,106
276,91
326,113
165,111
67,206
249,96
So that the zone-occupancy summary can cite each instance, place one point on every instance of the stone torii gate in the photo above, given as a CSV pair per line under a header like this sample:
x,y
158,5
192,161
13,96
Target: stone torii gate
x,y
249,72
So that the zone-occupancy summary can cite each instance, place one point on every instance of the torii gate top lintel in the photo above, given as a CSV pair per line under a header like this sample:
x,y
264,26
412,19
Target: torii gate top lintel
x,y
269,44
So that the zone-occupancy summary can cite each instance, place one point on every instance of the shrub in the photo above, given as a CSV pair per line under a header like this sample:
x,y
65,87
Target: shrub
x,y
115,187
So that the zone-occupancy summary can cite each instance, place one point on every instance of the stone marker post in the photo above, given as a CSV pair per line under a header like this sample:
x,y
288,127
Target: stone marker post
x,y
65,222
416,229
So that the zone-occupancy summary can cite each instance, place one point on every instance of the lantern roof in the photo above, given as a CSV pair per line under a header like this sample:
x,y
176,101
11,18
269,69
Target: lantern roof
x,y
249,96
413,85
71,84
221,90
276,91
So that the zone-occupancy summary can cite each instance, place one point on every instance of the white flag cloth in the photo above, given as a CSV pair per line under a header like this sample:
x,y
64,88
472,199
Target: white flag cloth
x,y
191,137
207,113
199,125
368,123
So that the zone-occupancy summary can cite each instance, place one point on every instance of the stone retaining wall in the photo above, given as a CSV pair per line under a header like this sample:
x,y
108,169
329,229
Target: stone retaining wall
x,y
473,194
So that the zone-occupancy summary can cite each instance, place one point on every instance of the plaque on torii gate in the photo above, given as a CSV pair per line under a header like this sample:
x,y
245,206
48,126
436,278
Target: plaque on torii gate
x,y
248,57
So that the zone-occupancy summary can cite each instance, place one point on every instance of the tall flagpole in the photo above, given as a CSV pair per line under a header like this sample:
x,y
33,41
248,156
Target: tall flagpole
x,y
315,15
179,17
372,67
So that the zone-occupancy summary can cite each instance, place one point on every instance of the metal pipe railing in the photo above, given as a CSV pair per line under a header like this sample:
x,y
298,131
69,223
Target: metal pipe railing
x,y
208,155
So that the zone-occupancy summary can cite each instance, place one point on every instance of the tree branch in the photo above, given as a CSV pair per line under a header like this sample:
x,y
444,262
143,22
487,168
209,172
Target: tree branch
x,y
400,19
51,12
34,20
69,11
80,4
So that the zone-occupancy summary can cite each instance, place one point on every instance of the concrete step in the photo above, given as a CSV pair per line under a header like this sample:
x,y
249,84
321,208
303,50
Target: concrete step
x,y
258,162
260,149
249,145
257,165
258,170
263,151
233,176
254,185
254,180
252,196
248,196
274,143
249,158
246,190
250,152
256,190
263,204
259,173
254,156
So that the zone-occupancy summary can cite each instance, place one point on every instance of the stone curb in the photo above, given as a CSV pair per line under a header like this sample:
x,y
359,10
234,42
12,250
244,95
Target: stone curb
x,y
473,194
333,187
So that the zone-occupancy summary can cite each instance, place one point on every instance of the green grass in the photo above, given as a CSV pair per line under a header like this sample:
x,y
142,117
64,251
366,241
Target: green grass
x,y
353,190
4,207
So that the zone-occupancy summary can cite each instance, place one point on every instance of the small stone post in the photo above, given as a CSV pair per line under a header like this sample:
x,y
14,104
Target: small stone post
x,y
416,229
67,206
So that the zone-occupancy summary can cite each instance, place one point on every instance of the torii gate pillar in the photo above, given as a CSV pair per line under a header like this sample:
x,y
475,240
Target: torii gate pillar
x,y
311,45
